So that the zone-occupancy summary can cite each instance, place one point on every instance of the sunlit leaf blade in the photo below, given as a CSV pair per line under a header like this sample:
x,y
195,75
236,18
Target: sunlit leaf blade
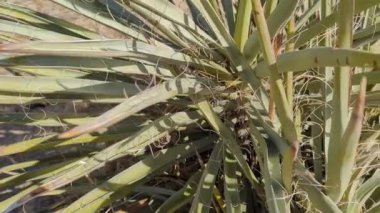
x,y
33,32
269,7
321,57
239,62
365,160
318,199
182,196
36,164
269,159
65,86
114,48
21,99
14,11
275,191
174,31
364,192
50,142
137,103
105,65
93,11
156,24
62,119
175,15
49,72
339,180
46,21
34,176
277,89
232,176
125,180
203,195
242,23
67,191
18,166
266,130
175,24
276,20
228,138
131,145
183,70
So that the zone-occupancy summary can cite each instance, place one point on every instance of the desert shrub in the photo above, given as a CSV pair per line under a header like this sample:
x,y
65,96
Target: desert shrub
x,y
206,106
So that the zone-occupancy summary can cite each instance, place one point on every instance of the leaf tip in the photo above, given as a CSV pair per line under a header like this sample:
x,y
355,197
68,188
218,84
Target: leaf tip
x,y
69,134
360,100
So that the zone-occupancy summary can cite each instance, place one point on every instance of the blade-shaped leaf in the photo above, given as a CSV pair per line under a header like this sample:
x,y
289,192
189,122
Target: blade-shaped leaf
x,y
276,20
203,195
51,141
233,52
342,168
65,86
46,21
232,177
320,57
34,176
172,13
242,23
33,32
89,64
128,178
115,48
364,192
100,14
21,99
151,96
318,199
182,196
228,138
269,159
78,169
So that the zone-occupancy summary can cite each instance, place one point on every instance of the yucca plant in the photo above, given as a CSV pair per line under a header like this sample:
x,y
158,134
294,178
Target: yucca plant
x,y
229,106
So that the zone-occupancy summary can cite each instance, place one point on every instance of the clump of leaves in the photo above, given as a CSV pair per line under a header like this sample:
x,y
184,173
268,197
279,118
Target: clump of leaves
x,y
232,106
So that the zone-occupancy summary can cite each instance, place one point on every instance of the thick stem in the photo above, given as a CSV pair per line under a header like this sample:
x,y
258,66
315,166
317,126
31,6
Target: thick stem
x,y
278,91
277,87
289,75
340,100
